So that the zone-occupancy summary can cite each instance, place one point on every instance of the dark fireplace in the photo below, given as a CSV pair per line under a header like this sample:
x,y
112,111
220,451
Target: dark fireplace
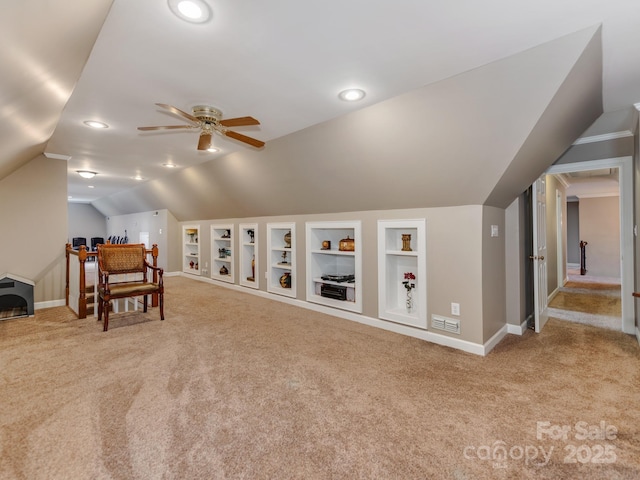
x,y
16,297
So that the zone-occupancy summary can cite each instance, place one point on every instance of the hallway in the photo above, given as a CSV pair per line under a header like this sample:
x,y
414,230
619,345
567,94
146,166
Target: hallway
x,y
589,300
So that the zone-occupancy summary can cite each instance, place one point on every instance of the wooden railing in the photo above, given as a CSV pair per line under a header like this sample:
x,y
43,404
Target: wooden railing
x,y
76,277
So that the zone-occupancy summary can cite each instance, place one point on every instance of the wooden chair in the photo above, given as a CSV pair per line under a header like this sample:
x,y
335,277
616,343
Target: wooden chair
x,y
125,259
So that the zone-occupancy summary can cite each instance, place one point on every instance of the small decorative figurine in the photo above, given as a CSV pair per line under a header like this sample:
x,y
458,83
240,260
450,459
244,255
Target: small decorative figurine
x,y
326,245
285,280
287,239
252,278
251,234
406,242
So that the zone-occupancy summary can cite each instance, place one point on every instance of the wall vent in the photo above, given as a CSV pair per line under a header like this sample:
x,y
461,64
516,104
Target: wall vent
x,y
447,324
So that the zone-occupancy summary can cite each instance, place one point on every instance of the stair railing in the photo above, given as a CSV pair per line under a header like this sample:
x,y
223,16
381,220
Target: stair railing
x,y
76,278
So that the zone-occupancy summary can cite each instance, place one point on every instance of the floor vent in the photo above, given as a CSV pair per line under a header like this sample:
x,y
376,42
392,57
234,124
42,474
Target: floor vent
x,y
447,324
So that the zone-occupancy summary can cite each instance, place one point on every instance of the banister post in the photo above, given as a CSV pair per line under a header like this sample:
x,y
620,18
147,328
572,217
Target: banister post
x,y
154,255
66,287
82,301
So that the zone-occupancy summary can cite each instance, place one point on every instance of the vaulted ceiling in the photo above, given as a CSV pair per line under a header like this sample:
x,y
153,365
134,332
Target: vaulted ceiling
x,y
465,103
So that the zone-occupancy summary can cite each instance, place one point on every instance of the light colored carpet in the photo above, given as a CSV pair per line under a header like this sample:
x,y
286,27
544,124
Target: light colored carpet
x,y
234,386
589,301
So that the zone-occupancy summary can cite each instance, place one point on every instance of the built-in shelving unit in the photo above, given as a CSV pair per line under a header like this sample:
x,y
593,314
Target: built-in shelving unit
x,y
248,267
401,256
222,253
281,261
334,264
191,249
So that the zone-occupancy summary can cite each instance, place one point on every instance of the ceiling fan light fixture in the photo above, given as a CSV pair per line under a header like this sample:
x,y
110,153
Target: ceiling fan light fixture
x,y
95,124
86,173
352,94
194,11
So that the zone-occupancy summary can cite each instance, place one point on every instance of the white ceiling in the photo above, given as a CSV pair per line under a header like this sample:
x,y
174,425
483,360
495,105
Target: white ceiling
x,y
285,61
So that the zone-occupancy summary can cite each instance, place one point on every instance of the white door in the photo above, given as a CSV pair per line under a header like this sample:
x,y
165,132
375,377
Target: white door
x,y
539,256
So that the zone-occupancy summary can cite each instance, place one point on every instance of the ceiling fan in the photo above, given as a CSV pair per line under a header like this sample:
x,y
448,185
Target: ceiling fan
x,y
209,120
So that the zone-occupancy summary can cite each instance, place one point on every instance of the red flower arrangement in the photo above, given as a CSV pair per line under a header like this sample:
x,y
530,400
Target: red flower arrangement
x,y
408,284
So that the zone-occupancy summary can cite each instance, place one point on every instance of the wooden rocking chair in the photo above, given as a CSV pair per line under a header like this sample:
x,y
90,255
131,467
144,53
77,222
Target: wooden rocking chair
x,y
125,259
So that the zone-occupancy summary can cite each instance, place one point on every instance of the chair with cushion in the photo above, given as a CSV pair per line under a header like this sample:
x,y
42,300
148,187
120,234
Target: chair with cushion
x,y
95,241
128,260
77,241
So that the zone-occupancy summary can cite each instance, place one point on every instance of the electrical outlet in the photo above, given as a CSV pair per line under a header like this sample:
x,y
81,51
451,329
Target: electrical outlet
x,y
455,309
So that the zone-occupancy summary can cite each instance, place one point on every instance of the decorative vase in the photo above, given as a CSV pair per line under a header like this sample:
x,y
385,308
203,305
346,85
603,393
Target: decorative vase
x,y
287,239
409,301
285,280
252,278
347,245
406,242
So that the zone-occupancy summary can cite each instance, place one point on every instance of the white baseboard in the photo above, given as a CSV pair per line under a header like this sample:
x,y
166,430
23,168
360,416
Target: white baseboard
x,y
517,329
444,340
638,334
49,304
553,294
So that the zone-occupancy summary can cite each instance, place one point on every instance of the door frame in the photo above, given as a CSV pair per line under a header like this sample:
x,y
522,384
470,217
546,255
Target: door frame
x,y
540,257
627,262
560,243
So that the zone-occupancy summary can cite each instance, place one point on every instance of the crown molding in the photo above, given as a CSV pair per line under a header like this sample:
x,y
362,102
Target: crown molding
x,y
597,195
604,137
57,156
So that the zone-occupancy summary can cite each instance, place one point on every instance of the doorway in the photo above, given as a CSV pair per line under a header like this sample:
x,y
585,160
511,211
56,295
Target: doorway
x,y
624,167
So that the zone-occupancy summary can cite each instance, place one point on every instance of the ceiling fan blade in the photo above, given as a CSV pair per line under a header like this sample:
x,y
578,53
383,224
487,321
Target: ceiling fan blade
x,y
177,111
245,139
205,141
166,127
239,122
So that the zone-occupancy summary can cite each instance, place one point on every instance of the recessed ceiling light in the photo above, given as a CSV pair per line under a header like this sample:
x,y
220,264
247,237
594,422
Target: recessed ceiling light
x,y
91,186
86,173
95,124
194,11
212,150
169,165
138,177
352,95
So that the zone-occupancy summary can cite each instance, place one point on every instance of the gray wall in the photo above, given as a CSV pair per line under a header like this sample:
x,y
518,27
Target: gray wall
x,y
85,221
573,232
161,226
600,227
33,209
515,284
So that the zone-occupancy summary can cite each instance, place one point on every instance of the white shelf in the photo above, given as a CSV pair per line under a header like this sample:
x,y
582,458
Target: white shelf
x,y
394,261
191,249
249,262
333,261
222,253
276,247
